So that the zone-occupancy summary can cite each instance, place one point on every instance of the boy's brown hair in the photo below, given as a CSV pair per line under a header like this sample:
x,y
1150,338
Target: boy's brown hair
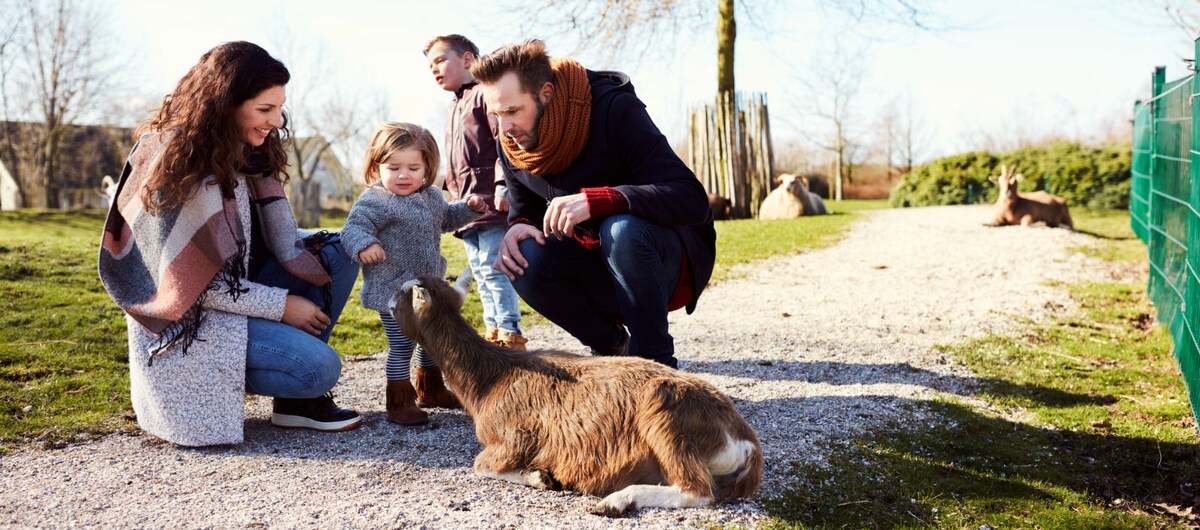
x,y
460,44
528,59
394,136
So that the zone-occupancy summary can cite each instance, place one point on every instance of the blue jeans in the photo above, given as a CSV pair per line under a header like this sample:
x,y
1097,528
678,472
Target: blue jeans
x,y
590,293
282,361
501,307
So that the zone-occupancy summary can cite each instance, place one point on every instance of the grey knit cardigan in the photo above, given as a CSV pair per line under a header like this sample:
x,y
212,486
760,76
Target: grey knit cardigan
x,y
410,231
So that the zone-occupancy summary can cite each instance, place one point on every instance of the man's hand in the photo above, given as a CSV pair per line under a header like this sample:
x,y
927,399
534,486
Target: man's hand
x,y
564,213
302,314
372,254
511,262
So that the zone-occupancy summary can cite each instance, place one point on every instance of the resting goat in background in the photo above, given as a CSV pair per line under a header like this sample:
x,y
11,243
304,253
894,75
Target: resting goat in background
x,y
631,430
791,199
721,207
1014,208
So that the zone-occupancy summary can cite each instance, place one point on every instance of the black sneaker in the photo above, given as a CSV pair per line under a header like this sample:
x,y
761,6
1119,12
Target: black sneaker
x,y
620,349
318,414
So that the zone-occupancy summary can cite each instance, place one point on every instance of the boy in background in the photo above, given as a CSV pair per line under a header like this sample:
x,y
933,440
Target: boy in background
x,y
470,150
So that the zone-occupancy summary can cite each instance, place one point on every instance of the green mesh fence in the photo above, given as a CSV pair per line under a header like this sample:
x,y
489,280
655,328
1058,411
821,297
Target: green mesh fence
x,y
1163,212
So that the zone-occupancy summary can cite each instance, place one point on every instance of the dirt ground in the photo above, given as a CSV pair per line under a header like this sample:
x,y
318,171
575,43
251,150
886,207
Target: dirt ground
x,y
811,347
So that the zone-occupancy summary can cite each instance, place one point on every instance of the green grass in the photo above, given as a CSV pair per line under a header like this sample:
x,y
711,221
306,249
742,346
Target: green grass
x,y
1085,424
63,360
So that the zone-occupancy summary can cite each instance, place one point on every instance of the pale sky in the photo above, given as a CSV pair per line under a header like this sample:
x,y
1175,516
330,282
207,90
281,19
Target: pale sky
x,y
1066,65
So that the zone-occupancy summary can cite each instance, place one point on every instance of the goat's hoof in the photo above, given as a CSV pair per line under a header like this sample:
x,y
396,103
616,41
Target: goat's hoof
x,y
543,479
607,510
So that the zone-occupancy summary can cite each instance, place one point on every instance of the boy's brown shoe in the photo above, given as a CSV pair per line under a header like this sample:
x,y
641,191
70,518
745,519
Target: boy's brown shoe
x,y
431,390
512,341
402,404
492,335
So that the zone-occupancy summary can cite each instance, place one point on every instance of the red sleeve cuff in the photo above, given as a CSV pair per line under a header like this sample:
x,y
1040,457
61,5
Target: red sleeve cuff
x,y
606,201
520,221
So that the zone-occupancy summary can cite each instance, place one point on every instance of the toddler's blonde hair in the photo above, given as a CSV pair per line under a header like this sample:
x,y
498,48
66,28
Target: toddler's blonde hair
x,y
394,136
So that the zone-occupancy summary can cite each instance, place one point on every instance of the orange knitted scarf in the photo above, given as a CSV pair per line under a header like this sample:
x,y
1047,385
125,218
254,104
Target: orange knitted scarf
x,y
564,128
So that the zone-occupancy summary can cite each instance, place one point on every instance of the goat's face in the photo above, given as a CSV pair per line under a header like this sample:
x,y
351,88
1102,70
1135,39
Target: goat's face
x,y
798,186
421,299
1007,182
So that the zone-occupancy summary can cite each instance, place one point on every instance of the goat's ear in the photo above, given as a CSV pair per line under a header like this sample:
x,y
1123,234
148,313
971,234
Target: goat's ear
x,y
420,297
993,179
1019,176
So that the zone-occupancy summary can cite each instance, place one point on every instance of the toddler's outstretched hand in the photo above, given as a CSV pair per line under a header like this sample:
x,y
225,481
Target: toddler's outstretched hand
x,y
372,254
476,204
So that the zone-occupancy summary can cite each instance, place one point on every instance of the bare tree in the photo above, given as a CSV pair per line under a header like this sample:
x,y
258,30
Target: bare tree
x,y
1185,14
615,27
67,54
902,133
12,153
325,118
833,83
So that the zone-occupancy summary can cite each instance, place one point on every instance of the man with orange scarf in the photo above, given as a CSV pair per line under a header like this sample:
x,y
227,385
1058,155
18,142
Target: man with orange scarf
x,y
608,228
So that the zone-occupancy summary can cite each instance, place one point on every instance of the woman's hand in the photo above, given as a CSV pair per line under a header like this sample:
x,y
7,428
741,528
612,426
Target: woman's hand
x,y
302,314
372,254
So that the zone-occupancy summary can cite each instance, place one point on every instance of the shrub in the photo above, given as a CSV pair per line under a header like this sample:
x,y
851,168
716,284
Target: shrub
x,y
1084,175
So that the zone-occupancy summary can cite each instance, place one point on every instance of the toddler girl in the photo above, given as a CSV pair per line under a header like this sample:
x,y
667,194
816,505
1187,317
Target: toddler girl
x,y
394,230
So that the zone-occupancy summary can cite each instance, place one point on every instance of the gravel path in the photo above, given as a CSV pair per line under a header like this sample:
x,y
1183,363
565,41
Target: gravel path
x,y
811,347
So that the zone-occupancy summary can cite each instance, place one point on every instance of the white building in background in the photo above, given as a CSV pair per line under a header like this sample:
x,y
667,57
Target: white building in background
x,y
338,187
9,198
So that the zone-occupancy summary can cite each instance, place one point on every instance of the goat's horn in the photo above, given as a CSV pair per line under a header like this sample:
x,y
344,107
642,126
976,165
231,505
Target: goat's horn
x,y
1003,170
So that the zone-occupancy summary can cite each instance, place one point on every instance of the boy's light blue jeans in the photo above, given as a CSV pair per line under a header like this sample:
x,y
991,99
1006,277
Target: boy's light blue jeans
x,y
501,305
282,361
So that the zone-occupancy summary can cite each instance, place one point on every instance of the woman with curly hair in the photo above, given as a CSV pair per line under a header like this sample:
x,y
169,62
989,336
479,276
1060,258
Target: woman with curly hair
x,y
222,293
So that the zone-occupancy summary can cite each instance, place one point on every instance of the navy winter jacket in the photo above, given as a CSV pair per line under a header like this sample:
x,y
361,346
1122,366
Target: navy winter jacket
x,y
626,151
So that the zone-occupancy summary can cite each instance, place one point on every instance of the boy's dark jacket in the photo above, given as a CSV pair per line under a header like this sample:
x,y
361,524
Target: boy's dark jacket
x,y
471,153
625,150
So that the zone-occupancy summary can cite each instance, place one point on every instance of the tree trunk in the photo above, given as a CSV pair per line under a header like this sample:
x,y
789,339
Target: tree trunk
x,y
726,35
306,203
50,180
838,161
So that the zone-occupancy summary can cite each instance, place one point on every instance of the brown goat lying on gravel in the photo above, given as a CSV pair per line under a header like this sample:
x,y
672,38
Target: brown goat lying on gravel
x,y
630,430
1013,208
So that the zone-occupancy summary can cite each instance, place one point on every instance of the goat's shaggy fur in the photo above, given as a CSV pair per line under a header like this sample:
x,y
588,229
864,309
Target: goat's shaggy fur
x,y
1013,208
633,431
791,199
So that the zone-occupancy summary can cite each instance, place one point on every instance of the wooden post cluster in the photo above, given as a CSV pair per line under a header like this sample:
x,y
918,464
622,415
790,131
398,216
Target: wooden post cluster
x,y
730,150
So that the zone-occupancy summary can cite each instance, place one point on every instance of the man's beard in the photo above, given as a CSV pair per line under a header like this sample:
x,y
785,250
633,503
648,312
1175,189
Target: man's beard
x,y
537,122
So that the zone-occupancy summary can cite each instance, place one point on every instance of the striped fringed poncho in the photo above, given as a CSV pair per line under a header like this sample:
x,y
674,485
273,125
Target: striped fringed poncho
x,y
158,266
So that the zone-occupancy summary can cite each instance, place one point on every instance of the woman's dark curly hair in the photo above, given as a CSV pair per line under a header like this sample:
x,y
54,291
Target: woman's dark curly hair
x,y
201,115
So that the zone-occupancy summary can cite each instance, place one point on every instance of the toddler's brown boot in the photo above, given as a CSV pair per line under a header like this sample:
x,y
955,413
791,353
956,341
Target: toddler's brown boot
x,y
431,390
402,404
512,341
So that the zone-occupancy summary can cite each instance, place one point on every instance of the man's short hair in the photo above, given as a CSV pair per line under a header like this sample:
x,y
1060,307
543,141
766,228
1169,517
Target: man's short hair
x,y
460,44
528,59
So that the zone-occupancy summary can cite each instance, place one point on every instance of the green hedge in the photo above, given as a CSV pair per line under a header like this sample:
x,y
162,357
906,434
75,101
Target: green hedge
x,y
1084,175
